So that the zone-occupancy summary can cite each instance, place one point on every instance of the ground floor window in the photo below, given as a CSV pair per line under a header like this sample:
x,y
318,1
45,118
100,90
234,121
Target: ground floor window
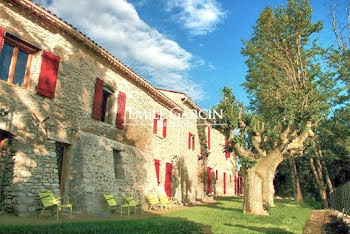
x,y
118,165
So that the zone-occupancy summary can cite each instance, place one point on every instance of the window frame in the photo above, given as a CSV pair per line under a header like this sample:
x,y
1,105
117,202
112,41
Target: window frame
x,y
17,45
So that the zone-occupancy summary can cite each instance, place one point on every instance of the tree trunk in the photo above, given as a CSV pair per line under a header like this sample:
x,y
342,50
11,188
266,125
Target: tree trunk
x,y
253,199
268,168
328,179
298,195
320,183
258,186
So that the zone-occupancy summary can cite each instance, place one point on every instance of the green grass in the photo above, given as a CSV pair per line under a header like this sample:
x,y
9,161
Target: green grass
x,y
225,216
148,225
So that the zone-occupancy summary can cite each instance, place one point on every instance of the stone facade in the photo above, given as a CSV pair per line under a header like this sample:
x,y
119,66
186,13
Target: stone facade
x,y
91,145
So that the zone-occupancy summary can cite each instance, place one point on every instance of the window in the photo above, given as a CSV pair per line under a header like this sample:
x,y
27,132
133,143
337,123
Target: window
x,y
105,104
160,126
108,101
15,60
118,166
191,142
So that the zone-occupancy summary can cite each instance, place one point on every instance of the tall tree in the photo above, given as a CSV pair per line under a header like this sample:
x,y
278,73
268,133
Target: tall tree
x,y
288,92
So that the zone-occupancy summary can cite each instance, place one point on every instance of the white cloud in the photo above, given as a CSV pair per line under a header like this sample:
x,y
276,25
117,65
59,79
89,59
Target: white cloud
x,y
116,25
200,17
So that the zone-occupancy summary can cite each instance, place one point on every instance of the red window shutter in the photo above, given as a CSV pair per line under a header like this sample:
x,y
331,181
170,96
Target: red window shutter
x,y
48,75
216,175
2,34
193,142
208,180
224,183
156,164
168,179
155,123
97,112
235,185
208,137
227,154
121,110
189,140
164,127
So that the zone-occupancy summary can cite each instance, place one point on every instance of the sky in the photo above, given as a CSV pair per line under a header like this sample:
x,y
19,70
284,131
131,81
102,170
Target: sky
x,y
191,46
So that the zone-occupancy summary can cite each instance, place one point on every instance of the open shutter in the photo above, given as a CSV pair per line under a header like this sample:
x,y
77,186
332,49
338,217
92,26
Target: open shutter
x,y
209,137
227,154
97,112
155,123
121,110
2,34
48,75
189,140
164,127
156,164
216,175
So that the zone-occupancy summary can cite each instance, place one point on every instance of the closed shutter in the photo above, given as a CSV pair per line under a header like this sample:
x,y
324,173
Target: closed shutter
x,y
227,154
216,175
189,140
209,137
224,183
164,127
156,164
168,179
192,142
121,110
2,34
235,185
209,180
97,112
48,75
155,123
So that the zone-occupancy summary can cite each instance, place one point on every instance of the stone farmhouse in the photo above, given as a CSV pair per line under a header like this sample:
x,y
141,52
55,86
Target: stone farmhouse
x,y
67,123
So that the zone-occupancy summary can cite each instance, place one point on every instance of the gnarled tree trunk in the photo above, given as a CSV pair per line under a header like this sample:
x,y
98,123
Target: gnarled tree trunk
x,y
253,199
259,183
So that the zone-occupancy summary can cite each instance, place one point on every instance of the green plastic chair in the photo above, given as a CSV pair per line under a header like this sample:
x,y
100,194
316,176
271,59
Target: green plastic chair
x,y
48,200
168,200
112,204
153,203
133,204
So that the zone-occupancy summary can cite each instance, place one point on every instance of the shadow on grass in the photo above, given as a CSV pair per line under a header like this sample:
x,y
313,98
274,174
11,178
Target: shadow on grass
x,y
153,224
261,229
217,206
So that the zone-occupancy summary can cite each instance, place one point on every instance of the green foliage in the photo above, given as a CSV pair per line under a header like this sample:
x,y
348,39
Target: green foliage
x,y
284,75
247,162
203,140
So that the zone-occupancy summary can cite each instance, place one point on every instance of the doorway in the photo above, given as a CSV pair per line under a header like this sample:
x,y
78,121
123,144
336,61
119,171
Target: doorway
x,y
61,156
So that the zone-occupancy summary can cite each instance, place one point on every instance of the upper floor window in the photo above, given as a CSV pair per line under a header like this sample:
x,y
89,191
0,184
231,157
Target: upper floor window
x,y
15,60
191,142
160,126
105,103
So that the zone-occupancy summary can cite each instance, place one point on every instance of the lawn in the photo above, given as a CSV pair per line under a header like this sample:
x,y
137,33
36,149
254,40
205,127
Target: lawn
x,y
224,216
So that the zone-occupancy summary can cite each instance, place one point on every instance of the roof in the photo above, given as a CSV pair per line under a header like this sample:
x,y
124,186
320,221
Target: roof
x,y
54,21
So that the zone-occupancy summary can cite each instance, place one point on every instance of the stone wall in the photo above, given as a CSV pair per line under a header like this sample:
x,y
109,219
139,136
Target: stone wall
x,y
89,169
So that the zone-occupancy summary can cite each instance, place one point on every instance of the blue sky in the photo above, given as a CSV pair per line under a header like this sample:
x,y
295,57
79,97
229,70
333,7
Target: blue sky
x,y
191,46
